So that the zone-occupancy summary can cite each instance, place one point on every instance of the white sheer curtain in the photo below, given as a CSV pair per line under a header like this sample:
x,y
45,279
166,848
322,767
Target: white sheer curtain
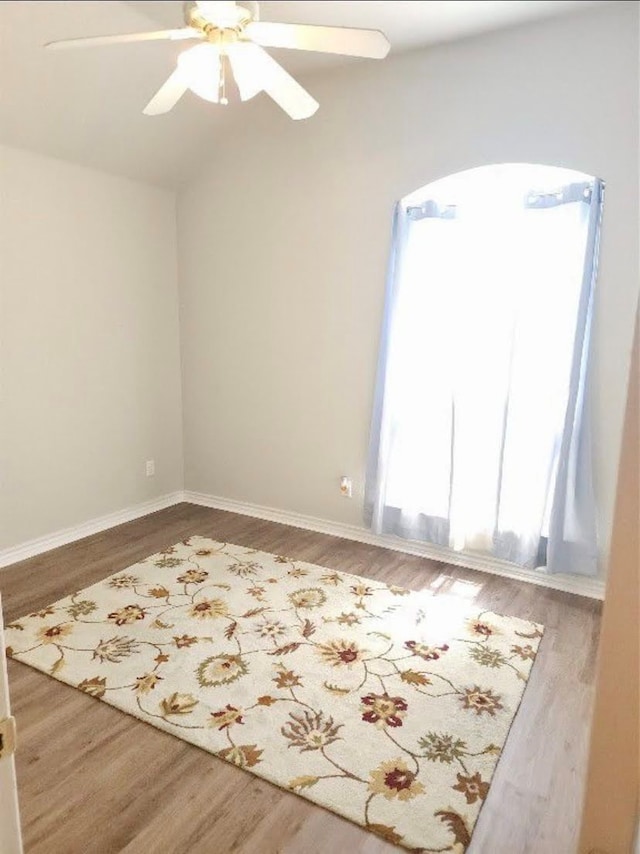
x,y
483,359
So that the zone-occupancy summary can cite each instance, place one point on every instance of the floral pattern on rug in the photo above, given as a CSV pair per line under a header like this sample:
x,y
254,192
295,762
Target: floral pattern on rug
x,y
387,706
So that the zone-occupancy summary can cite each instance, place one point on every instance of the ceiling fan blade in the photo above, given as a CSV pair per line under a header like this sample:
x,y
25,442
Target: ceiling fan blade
x,y
167,95
280,85
345,40
246,70
93,41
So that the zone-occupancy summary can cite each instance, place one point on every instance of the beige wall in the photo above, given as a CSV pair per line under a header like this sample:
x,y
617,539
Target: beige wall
x,y
283,244
89,352
612,803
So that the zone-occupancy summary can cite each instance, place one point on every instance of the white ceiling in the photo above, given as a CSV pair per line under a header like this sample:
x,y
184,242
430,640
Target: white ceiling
x,y
85,106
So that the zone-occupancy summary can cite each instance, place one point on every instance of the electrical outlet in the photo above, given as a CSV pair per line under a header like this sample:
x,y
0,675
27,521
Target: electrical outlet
x,y
346,487
151,468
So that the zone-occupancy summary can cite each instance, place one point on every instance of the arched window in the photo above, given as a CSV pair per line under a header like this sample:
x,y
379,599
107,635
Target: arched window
x,y
479,439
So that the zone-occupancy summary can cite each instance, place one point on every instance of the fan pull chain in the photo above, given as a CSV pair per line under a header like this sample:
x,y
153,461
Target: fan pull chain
x,y
222,84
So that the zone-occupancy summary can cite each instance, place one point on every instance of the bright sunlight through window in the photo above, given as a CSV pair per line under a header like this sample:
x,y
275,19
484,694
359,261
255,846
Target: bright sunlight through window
x,y
481,347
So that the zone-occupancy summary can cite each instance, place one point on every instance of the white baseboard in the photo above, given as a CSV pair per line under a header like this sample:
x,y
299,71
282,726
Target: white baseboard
x,y
581,586
13,554
591,587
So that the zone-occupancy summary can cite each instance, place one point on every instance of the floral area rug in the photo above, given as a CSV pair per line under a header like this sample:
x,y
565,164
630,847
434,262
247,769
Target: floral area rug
x,y
387,706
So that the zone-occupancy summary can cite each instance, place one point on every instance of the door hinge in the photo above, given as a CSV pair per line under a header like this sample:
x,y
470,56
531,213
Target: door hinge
x,y
7,737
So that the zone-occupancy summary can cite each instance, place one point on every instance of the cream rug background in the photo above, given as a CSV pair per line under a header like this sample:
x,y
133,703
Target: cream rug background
x,y
386,706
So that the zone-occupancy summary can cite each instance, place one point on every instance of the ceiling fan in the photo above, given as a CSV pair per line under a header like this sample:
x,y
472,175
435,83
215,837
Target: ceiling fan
x,y
231,36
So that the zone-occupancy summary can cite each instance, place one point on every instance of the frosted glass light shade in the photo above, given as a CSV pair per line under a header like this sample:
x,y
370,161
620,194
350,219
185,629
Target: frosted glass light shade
x,y
200,68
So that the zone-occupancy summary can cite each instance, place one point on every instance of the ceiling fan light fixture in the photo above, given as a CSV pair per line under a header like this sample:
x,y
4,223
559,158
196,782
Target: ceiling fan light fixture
x,y
247,70
200,68
231,38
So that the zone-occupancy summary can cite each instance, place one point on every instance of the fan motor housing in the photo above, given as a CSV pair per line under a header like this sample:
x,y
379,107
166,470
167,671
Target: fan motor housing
x,y
247,11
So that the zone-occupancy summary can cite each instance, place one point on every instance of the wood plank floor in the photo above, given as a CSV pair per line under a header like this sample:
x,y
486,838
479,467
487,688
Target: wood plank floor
x,y
93,780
